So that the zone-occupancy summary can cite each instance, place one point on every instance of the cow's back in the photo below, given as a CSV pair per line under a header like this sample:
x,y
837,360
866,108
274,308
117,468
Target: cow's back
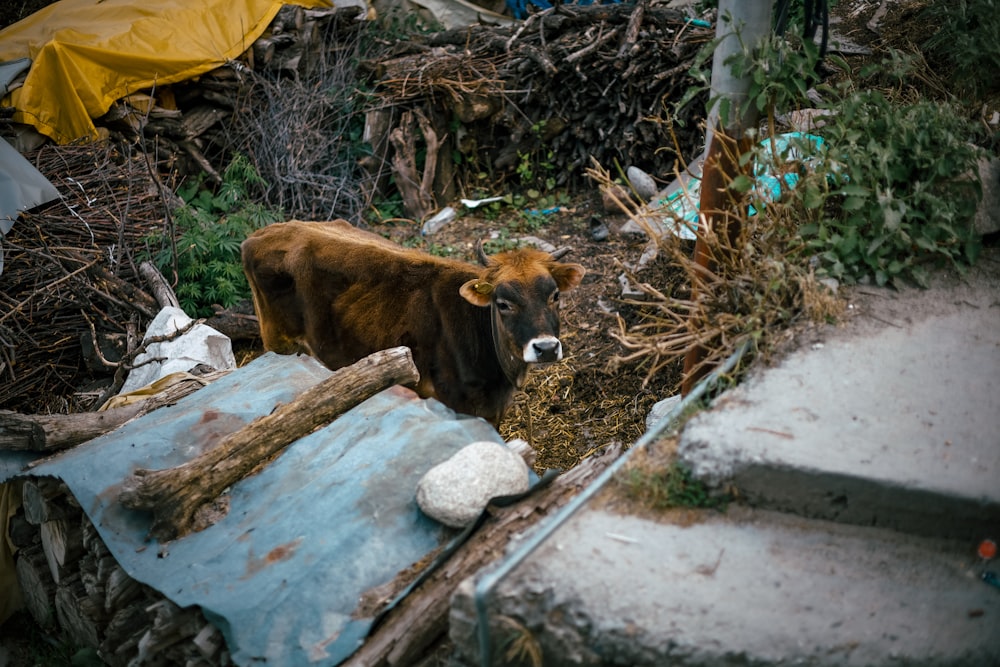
x,y
340,293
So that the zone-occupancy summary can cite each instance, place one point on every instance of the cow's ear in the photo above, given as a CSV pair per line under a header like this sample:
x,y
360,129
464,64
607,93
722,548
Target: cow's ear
x,y
477,292
567,276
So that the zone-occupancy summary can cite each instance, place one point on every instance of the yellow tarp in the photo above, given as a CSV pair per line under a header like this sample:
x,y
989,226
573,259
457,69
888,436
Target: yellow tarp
x,y
88,53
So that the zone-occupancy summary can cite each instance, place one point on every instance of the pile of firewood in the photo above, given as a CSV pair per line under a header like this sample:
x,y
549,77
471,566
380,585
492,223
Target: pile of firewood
x,y
567,86
187,126
70,581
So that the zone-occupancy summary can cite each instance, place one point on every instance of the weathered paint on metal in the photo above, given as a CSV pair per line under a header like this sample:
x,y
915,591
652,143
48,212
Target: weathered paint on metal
x,y
332,517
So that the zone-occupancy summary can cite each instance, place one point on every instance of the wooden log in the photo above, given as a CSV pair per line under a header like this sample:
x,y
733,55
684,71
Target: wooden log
x,y
422,617
50,433
194,152
120,589
36,585
119,291
62,543
37,497
78,616
632,32
21,533
418,198
209,641
92,541
171,624
162,292
123,631
196,121
176,494
263,53
237,323
93,575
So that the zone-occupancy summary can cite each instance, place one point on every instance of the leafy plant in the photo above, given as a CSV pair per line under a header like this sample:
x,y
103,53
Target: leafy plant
x,y
202,252
904,191
536,167
780,70
965,42
895,186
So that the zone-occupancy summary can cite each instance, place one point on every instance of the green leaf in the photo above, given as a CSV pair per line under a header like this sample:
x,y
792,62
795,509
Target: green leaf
x,y
812,198
853,203
741,183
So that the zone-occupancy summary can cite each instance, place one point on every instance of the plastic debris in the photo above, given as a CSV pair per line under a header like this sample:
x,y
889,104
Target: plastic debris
x,y
680,201
440,219
199,344
475,203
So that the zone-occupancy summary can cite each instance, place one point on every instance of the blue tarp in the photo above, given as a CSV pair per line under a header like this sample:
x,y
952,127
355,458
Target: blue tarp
x,y
334,516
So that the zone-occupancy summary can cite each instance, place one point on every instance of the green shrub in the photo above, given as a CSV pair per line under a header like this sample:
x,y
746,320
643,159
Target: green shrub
x,y
202,251
904,191
966,43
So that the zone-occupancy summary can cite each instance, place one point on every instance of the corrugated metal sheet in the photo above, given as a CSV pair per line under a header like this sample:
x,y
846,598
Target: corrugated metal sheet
x,y
281,575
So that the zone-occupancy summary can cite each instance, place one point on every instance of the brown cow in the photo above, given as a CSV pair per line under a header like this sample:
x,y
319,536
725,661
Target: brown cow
x,y
339,293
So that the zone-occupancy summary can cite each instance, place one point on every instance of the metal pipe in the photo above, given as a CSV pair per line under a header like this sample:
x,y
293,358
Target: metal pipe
x,y
486,582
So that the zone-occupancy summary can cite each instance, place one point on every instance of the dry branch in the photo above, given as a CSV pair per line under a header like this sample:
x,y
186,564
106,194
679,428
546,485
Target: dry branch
x,y
50,433
161,289
69,271
175,495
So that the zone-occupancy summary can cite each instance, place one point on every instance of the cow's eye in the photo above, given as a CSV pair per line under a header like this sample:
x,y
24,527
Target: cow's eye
x,y
554,298
504,306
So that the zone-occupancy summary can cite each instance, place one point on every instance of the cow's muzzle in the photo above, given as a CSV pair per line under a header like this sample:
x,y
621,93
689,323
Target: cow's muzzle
x,y
543,349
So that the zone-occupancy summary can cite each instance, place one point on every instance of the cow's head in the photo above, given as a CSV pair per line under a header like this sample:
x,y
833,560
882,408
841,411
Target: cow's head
x,y
522,288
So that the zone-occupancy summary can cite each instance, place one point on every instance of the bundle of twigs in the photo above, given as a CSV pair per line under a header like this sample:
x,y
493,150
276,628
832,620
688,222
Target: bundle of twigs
x,y
70,278
295,112
566,85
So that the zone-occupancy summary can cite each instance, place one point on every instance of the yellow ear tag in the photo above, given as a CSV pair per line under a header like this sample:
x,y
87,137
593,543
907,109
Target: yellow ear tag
x,y
482,288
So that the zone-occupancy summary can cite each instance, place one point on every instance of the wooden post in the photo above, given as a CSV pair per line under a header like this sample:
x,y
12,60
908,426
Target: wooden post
x,y
725,144
721,215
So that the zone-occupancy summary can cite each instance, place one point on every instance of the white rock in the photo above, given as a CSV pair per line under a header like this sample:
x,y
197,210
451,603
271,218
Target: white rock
x,y
643,183
660,410
456,491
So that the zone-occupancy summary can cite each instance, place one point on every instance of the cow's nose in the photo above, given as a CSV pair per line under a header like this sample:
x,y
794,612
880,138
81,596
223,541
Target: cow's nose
x,y
546,349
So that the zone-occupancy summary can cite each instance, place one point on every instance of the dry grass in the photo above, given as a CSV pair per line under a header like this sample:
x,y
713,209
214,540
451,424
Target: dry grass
x,y
759,285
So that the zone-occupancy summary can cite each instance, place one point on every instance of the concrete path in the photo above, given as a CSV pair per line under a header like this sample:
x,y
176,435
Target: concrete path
x,y
867,464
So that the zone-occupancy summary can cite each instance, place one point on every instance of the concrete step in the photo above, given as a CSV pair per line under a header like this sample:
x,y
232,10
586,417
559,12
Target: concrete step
x,y
866,468
892,421
747,587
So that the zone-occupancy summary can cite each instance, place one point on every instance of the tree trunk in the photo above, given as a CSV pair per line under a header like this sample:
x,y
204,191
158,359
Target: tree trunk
x,y
50,433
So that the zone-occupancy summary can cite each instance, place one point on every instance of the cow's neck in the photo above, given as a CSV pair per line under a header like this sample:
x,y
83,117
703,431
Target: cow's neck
x,y
514,369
